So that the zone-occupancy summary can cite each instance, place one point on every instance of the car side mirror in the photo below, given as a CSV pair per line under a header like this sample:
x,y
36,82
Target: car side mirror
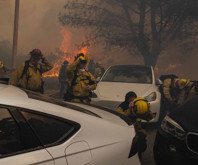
x,y
158,82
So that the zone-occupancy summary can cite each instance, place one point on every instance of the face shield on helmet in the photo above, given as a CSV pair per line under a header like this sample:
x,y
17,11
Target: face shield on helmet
x,y
141,106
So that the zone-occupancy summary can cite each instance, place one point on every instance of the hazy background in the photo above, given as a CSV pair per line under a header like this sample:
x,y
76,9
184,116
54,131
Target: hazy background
x,y
39,28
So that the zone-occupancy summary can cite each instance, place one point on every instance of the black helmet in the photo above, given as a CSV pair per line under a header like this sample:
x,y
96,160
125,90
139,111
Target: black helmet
x,y
129,95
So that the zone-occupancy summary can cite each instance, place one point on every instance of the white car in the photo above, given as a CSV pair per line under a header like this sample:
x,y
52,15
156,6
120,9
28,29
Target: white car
x,y
120,79
36,129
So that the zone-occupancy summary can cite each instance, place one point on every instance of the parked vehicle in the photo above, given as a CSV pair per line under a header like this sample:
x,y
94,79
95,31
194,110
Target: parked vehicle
x,y
176,140
36,129
120,79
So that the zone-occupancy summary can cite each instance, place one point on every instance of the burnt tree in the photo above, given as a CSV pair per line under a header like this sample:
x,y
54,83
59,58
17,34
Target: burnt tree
x,y
148,26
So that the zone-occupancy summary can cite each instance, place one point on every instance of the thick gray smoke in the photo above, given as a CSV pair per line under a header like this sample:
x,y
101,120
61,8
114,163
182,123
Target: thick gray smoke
x,y
39,28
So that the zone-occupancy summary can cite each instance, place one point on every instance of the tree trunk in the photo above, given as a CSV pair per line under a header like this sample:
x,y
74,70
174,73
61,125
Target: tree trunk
x,y
150,59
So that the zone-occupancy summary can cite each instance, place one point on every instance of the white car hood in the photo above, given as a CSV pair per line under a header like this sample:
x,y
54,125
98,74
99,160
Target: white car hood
x,y
117,90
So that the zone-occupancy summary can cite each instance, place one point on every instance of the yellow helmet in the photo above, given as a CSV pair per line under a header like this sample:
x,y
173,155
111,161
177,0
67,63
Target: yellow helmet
x,y
141,106
1,65
99,63
182,83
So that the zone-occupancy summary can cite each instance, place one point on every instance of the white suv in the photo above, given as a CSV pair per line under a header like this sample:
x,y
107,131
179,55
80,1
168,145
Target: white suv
x,y
120,79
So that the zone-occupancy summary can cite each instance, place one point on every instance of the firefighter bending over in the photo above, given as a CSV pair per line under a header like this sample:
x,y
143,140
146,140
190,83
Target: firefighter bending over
x,y
175,91
81,82
137,108
29,74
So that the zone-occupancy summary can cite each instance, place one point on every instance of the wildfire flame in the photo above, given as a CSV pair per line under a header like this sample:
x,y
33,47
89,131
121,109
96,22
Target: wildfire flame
x,y
171,66
64,55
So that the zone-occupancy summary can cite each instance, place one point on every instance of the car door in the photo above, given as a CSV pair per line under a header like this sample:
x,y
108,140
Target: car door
x,y
18,144
53,133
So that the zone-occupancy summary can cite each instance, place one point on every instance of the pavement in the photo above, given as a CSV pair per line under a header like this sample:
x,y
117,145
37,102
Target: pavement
x,y
147,157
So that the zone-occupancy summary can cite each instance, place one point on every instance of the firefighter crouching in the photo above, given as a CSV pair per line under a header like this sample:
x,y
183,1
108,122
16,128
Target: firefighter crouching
x,y
29,74
137,108
81,82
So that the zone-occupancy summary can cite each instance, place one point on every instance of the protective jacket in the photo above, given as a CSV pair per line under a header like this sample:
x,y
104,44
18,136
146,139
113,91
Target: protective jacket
x,y
192,90
32,79
123,108
2,67
79,80
98,71
174,94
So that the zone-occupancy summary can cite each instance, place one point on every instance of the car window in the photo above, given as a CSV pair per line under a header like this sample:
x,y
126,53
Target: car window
x,y
50,130
128,74
14,136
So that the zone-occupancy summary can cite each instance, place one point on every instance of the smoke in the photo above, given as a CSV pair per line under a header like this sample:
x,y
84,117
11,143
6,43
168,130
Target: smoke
x,y
5,52
38,24
176,60
39,28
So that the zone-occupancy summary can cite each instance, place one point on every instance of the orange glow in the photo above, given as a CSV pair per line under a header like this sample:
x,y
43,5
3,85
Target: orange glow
x,y
171,66
156,69
63,54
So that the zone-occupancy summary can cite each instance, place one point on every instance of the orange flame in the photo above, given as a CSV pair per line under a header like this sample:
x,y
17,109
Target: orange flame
x,y
64,48
171,66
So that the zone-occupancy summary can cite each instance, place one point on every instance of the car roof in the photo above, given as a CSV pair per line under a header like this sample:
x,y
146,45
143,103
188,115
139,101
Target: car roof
x,y
14,96
9,91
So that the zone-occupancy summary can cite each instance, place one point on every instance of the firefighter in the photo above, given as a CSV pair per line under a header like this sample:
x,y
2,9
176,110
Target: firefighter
x,y
137,108
91,67
81,82
29,74
99,70
192,89
2,67
174,91
63,78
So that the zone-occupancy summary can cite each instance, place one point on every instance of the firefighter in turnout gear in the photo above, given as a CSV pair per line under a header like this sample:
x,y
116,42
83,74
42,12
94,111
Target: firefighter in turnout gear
x,y
81,82
175,91
99,70
2,67
137,108
62,77
29,74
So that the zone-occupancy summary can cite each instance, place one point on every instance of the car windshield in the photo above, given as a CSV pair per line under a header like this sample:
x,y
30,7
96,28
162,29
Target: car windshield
x,y
128,74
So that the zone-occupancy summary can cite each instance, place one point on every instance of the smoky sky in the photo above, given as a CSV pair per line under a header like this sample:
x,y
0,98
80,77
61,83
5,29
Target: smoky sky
x,y
38,24
39,28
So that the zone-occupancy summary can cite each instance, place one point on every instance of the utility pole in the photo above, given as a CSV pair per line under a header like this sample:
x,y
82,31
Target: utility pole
x,y
15,34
